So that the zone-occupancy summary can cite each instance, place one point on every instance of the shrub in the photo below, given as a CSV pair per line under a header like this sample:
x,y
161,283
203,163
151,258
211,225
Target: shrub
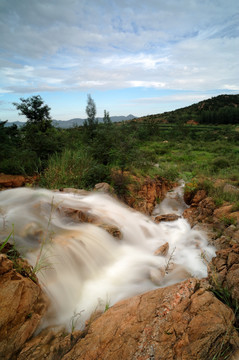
x,y
71,169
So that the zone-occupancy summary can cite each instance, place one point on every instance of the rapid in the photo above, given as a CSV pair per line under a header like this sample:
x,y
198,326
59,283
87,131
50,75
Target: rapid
x,y
81,266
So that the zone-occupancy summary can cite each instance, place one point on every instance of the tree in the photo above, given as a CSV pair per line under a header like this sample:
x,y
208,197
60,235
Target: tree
x,y
90,124
35,111
106,118
39,135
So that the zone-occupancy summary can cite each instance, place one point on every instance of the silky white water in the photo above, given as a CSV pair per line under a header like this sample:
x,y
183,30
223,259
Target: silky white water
x,y
82,268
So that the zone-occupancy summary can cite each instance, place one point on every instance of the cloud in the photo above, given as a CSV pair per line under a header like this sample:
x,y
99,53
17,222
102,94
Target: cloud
x,y
77,45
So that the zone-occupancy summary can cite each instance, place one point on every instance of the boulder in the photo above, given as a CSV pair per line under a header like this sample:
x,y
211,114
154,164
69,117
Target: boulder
x,y
22,306
182,321
104,187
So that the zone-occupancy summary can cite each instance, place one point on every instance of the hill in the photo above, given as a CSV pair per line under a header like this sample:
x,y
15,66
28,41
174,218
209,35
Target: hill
x,y
222,109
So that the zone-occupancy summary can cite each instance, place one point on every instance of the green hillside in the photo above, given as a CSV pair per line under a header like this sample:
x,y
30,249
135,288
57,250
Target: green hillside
x,y
222,109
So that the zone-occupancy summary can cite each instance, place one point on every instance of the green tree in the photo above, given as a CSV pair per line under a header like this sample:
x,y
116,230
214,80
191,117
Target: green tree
x,y
39,135
35,111
91,123
106,118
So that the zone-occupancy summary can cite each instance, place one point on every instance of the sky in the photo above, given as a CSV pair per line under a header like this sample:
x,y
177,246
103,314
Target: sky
x,y
133,56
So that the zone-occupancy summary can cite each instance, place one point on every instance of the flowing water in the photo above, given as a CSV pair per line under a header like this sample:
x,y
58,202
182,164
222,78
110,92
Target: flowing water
x,y
81,266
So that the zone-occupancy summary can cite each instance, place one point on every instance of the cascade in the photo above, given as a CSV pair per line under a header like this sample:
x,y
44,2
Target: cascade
x,y
81,266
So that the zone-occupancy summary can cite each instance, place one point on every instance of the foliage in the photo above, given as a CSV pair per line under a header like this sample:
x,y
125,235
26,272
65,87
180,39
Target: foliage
x,y
72,169
35,111
90,124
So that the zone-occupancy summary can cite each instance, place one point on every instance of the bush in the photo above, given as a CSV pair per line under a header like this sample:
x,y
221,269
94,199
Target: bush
x,y
72,169
220,163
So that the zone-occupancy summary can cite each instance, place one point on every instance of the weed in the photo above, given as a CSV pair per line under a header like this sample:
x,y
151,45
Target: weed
x,y
227,221
41,261
235,206
170,260
74,320
6,240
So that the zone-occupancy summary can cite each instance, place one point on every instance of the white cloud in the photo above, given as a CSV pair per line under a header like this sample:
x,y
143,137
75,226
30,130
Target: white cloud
x,y
174,44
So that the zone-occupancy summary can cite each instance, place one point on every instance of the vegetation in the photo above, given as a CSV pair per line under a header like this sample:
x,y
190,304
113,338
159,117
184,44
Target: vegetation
x,y
96,152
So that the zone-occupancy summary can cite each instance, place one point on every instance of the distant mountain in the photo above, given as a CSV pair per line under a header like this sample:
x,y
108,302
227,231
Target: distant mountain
x,y
66,124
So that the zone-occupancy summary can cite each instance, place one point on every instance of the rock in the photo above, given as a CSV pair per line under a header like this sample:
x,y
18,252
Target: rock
x,y
223,212
76,215
104,187
199,196
183,321
84,216
162,250
74,191
22,306
224,270
143,197
157,275
112,230
206,208
50,344
166,324
166,217
231,189
11,181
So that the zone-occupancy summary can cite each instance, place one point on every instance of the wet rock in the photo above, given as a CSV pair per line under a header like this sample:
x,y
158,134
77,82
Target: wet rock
x,y
75,191
112,230
157,275
104,187
162,250
84,216
166,217
22,306
167,323
77,215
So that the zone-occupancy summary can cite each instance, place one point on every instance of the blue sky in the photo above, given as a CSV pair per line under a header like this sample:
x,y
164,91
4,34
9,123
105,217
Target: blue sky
x,y
133,57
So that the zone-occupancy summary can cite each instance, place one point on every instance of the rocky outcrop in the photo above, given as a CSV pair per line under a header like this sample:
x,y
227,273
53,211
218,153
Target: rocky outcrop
x,y
145,195
183,321
22,307
223,271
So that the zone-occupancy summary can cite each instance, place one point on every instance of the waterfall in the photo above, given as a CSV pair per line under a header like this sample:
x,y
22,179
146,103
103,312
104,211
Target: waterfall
x,y
81,266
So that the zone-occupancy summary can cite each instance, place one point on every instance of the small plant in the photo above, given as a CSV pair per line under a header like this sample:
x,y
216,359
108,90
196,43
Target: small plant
x,y
6,240
235,206
170,260
41,261
74,320
227,221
